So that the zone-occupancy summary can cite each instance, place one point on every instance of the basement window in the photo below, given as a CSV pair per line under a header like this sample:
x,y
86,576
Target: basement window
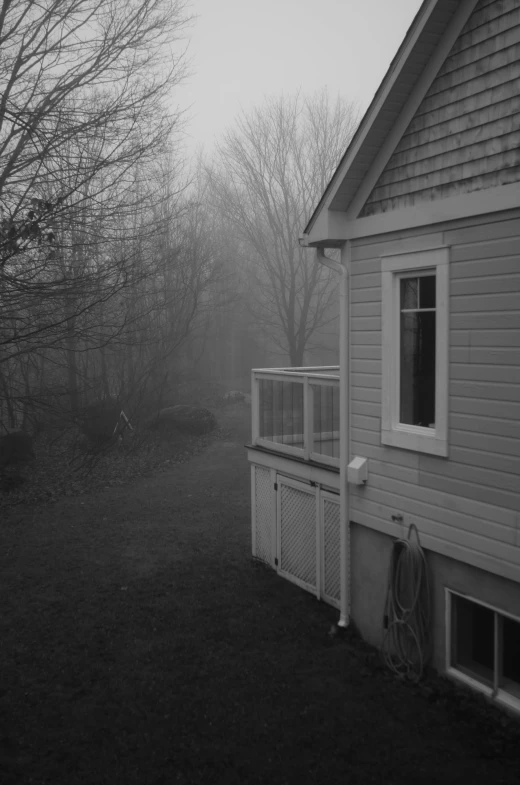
x,y
483,648
415,351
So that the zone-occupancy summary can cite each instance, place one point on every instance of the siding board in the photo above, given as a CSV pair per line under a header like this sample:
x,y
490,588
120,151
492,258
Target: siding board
x,y
472,475
486,459
366,309
486,250
486,426
480,338
366,380
484,231
486,391
366,338
497,497
471,406
494,320
476,303
384,454
366,366
372,394
365,351
500,445
368,251
483,356
363,324
486,268
368,423
484,285
484,373
372,295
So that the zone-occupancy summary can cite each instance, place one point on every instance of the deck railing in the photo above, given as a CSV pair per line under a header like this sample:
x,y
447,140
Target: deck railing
x,y
296,412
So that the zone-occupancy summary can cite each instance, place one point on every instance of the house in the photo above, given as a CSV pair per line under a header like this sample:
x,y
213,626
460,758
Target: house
x,y
420,424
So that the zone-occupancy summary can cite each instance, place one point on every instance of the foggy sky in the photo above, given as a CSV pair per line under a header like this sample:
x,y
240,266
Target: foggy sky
x,y
242,50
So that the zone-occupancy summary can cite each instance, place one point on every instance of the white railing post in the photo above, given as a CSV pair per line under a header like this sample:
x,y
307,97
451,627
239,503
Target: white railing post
x,y
306,412
309,420
255,407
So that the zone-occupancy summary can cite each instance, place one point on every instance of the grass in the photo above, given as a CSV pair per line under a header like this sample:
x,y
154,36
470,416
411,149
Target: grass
x,y
141,644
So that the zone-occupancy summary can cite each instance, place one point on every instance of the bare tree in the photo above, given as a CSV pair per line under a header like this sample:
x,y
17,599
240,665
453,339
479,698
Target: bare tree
x,y
83,108
83,85
270,170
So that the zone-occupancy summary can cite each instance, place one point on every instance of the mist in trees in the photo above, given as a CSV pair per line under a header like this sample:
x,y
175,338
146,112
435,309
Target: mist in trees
x,y
125,266
270,169
102,270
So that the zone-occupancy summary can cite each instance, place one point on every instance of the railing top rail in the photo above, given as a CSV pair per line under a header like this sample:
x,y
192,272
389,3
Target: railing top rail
x,y
303,369
274,375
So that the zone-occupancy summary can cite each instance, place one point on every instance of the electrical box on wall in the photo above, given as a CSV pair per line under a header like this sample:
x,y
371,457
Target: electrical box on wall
x,y
357,471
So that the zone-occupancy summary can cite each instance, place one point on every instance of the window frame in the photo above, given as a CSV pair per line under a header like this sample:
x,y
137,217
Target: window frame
x,y
433,441
495,691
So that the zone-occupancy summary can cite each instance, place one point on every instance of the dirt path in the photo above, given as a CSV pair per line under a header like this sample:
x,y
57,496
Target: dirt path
x,y
140,644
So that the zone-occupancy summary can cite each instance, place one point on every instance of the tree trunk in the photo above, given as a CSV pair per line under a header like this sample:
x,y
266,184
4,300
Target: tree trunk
x,y
104,372
8,402
72,368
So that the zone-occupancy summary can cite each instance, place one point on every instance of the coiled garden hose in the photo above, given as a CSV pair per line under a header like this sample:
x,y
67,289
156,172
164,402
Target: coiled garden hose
x,y
406,646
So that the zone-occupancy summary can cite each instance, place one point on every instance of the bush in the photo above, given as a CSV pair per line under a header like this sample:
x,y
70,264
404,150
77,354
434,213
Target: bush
x,y
99,421
188,419
16,448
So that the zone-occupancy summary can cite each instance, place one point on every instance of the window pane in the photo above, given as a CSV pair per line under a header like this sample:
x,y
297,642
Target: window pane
x,y
511,654
326,419
417,378
427,291
409,293
281,412
473,639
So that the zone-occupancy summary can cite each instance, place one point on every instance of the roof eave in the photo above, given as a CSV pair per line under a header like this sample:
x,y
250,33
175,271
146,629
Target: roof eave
x,y
360,150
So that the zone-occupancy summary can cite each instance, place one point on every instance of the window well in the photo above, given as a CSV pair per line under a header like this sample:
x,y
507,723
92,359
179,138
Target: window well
x,y
485,648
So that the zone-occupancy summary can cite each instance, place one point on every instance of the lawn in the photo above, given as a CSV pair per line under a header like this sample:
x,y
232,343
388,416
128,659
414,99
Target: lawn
x,y
141,644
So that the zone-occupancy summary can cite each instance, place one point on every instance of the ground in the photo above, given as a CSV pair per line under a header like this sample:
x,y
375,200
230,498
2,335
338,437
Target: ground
x,y
140,643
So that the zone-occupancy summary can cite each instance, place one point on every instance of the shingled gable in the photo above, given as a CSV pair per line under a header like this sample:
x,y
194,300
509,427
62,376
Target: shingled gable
x,y
364,196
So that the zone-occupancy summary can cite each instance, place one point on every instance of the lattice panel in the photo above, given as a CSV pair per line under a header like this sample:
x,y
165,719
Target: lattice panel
x,y
265,522
298,534
331,549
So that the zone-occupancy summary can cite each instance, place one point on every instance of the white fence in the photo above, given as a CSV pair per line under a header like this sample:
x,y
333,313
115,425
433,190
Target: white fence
x,y
296,412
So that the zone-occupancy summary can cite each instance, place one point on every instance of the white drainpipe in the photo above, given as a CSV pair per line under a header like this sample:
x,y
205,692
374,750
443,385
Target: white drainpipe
x,y
344,443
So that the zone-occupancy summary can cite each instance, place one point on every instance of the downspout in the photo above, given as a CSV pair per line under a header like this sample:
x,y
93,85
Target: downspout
x,y
344,441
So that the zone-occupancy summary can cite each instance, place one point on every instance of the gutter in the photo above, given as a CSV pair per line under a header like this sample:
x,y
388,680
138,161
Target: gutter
x,y
343,270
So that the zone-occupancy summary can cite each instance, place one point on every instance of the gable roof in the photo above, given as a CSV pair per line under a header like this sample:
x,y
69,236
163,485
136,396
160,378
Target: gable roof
x,y
404,73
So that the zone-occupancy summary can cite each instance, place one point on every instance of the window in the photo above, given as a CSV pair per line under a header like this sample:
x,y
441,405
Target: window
x,y
483,648
415,351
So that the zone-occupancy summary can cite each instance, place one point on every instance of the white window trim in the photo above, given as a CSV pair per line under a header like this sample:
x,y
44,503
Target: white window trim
x,y
501,696
412,437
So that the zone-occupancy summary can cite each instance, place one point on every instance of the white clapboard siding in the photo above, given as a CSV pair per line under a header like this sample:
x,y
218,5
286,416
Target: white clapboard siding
x,y
367,394
488,426
367,324
366,351
478,407
365,338
496,337
486,459
487,391
468,505
368,408
384,454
